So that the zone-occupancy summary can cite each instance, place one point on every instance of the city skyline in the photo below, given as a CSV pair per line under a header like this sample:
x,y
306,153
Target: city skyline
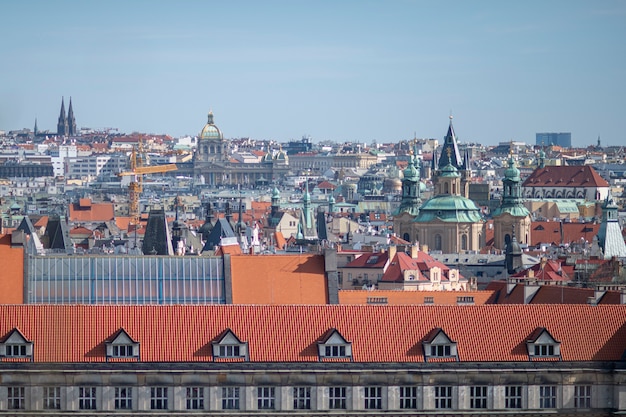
x,y
346,71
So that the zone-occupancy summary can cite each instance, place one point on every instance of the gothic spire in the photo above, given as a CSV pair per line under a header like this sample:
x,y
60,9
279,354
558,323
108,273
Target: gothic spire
x,y
71,121
454,156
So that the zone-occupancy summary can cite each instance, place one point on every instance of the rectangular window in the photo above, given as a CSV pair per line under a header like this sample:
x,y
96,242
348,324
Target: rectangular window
x,y
440,350
158,398
87,398
544,350
408,397
15,351
123,398
582,396
15,398
337,398
230,398
266,398
335,351
513,396
547,396
229,351
443,397
373,398
302,398
122,351
195,398
478,397
429,300
52,398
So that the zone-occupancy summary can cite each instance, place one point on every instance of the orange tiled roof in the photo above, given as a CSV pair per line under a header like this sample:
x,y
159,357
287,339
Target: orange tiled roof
x,y
77,333
93,212
279,279
12,272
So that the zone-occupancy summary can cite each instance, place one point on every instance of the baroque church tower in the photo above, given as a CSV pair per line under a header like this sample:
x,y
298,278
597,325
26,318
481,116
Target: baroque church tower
x,y
512,215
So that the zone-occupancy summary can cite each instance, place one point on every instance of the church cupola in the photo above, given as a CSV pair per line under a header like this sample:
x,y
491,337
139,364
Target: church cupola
x,y
411,200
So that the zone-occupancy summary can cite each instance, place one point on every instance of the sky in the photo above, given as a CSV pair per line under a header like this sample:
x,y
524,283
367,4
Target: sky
x,y
340,70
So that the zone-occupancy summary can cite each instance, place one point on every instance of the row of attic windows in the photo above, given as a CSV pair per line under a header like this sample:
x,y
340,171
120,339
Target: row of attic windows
x,y
332,345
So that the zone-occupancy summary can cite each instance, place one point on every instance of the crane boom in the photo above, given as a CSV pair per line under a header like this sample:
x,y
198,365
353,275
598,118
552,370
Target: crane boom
x,y
149,170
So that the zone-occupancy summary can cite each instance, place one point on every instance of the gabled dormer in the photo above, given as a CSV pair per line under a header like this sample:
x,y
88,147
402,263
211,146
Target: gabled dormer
x,y
332,345
541,345
16,346
438,346
228,346
122,346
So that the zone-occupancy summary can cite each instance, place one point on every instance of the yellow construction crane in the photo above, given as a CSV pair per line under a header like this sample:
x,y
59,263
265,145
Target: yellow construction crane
x,y
137,171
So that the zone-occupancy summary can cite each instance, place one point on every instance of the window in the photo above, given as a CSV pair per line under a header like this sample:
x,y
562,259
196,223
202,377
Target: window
x,y
15,350
266,398
158,398
52,398
15,398
513,396
122,351
408,397
478,397
443,397
582,396
229,351
195,398
429,300
547,396
123,398
441,351
337,398
87,398
230,398
335,351
302,398
373,398
544,350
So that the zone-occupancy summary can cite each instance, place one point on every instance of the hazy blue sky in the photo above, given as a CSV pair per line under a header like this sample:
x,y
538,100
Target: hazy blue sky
x,y
339,70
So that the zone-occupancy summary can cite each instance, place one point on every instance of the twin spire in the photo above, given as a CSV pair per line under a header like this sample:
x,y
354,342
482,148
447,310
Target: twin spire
x,y
66,125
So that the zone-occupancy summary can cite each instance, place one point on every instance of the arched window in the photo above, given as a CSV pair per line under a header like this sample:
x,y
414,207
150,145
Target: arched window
x,y
445,188
406,237
438,242
205,149
463,242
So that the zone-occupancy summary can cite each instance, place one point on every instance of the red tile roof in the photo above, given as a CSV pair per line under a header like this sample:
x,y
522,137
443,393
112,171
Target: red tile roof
x,y
370,260
546,270
397,297
100,212
549,294
550,232
77,333
565,176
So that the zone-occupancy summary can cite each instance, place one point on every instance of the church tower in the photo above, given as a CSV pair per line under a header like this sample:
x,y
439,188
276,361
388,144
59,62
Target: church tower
x,y
512,214
411,192
609,235
63,128
71,121
450,155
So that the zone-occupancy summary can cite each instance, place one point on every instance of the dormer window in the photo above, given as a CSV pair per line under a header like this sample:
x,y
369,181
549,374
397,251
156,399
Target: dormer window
x,y
15,345
437,345
541,344
332,345
228,346
122,346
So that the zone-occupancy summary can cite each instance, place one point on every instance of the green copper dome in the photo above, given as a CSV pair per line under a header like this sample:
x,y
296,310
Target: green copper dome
x,y
449,208
449,171
512,173
410,173
210,131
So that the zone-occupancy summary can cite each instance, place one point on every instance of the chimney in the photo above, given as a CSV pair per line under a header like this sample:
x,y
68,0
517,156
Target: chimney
x,y
392,252
529,292
414,251
510,286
